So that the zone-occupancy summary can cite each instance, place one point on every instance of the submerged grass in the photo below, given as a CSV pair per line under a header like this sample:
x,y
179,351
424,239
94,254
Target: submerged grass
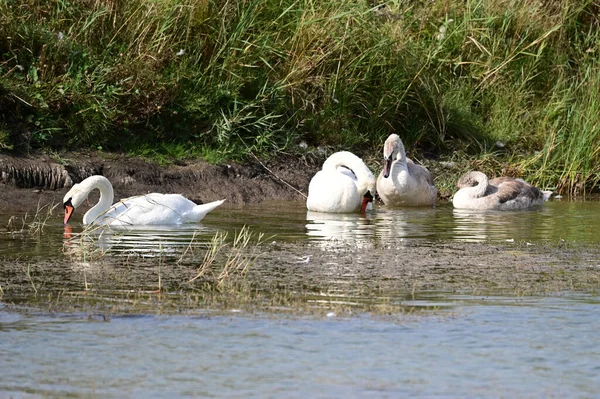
x,y
223,80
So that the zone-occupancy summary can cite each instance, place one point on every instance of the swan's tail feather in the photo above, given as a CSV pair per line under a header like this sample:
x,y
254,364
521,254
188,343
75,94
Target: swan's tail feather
x,y
201,210
546,194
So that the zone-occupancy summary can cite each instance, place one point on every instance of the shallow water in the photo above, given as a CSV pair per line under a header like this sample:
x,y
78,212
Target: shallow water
x,y
555,221
536,347
426,343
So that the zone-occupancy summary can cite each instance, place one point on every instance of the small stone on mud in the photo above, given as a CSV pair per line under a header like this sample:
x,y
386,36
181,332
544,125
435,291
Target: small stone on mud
x,y
448,165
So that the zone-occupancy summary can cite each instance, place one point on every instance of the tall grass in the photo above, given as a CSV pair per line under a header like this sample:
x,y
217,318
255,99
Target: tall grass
x,y
571,154
227,79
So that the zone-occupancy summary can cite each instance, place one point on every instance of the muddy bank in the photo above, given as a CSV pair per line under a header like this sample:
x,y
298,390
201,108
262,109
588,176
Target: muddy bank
x,y
27,180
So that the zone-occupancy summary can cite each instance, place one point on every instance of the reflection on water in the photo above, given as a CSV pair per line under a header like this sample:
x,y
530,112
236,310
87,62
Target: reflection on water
x,y
332,226
555,221
477,226
144,241
575,221
424,222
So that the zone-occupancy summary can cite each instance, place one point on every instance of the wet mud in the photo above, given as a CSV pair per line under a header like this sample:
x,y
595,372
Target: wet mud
x,y
27,180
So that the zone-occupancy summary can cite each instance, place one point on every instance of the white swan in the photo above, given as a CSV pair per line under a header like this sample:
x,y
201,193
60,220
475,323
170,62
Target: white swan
x,y
402,182
147,209
502,193
344,184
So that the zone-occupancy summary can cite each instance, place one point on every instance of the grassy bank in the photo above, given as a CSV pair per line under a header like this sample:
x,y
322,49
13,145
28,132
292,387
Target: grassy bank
x,y
513,85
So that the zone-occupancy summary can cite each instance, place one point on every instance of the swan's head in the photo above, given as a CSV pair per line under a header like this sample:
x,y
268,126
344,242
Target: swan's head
x,y
368,188
72,200
391,150
367,202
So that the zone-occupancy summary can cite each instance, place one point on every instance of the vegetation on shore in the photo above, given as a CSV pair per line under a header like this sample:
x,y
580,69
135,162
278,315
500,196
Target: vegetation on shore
x,y
512,85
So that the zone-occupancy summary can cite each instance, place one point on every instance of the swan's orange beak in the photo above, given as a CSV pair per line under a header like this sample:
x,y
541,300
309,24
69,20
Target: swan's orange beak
x,y
68,211
367,198
387,166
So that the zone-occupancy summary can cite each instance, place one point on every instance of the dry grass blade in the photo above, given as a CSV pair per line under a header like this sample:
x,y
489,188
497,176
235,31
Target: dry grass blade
x,y
36,225
217,243
238,255
85,245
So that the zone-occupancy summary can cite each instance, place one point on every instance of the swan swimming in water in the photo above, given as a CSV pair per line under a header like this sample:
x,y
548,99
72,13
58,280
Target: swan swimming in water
x,y
476,191
147,209
402,182
344,184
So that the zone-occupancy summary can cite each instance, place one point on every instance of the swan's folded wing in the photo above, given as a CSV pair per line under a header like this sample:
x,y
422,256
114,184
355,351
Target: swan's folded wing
x,y
532,192
148,209
508,188
419,172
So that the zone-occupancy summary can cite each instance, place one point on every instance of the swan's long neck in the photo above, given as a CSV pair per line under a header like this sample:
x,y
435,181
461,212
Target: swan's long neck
x,y
106,197
394,157
401,154
364,177
479,190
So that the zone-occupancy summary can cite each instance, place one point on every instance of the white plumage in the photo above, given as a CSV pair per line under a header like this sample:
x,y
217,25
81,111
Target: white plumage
x,y
402,182
146,209
344,184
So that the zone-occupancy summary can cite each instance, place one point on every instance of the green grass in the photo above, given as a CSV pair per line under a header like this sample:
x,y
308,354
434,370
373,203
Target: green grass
x,y
571,154
224,80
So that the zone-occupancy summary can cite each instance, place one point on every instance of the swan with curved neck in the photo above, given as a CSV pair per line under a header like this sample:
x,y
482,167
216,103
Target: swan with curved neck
x,y
402,182
344,184
476,191
147,209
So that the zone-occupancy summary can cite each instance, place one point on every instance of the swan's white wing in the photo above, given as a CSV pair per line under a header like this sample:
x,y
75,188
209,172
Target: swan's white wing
x,y
149,209
333,192
347,172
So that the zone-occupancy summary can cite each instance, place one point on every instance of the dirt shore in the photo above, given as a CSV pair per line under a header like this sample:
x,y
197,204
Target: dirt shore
x,y
27,180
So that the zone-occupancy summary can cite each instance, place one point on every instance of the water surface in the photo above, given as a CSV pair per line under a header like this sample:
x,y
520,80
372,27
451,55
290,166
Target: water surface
x,y
355,328
537,347
289,221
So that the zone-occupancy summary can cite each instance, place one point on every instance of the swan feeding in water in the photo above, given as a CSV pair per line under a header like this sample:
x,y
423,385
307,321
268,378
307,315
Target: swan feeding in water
x,y
402,182
476,191
146,209
344,184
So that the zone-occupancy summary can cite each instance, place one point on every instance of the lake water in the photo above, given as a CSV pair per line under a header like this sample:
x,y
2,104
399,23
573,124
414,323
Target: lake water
x,y
450,343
